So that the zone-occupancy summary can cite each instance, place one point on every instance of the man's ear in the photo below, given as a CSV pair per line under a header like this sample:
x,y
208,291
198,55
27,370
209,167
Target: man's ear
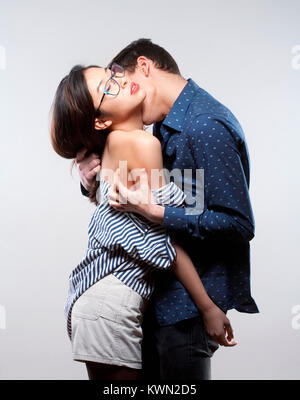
x,y
143,65
101,125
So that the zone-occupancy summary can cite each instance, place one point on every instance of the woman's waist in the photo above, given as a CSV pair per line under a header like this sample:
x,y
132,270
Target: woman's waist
x,y
130,273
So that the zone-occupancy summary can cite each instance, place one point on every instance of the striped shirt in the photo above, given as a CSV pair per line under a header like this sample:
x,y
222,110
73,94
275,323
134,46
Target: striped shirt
x,y
125,245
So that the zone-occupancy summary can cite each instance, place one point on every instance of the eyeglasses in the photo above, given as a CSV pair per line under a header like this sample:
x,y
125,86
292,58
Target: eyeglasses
x,y
112,87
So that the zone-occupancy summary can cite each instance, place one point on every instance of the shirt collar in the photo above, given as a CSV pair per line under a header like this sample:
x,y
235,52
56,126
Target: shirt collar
x,y
176,115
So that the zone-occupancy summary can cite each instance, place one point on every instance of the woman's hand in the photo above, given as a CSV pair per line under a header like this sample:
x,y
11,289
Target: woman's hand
x,y
218,325
88,167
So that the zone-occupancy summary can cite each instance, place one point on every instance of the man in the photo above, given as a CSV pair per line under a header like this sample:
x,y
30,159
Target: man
x,y
196,133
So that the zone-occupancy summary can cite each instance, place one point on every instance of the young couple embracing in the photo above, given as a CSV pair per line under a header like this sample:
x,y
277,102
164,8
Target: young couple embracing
x,y
149,298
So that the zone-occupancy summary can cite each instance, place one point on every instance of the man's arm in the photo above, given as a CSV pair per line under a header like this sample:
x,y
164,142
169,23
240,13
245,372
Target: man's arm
x,y
227,211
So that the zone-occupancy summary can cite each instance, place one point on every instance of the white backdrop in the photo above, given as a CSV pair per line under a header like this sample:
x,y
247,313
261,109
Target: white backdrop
x,y
245,53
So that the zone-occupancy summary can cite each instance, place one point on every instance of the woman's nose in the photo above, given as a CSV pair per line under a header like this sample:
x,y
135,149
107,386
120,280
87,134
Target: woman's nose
x,y
123,82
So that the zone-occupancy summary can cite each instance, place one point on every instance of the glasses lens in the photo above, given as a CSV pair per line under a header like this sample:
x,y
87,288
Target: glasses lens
x,y
112,87
117,70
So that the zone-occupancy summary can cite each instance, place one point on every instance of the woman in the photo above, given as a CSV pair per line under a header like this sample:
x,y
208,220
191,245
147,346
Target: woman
x,y
101,110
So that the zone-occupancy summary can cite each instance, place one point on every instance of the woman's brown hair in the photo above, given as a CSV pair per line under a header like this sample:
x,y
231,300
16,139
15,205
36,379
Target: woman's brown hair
x,y
73,120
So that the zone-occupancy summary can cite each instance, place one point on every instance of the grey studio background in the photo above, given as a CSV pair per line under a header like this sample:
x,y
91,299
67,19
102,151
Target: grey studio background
x,y
246,54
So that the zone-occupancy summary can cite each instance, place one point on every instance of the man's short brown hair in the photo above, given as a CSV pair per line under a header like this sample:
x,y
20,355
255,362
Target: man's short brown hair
x,y
144,47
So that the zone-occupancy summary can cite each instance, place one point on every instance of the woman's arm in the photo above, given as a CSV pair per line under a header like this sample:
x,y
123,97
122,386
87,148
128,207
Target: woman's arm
x,y
216,323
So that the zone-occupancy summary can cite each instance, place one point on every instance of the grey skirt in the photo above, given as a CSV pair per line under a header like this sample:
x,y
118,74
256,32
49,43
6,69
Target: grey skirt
x,y
106,324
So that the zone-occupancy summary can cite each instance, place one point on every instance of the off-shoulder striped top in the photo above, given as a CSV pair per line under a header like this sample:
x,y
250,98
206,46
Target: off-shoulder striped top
x,y
124,244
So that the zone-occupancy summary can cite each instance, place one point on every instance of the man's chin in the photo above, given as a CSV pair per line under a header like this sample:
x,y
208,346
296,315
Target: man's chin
x,y
147,122
148,117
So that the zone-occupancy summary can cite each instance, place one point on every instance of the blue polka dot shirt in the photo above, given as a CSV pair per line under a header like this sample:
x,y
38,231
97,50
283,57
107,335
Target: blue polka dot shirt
x,y
201,133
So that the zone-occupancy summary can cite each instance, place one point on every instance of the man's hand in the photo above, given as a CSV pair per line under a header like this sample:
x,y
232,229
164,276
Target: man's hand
x,y
87,167
138,198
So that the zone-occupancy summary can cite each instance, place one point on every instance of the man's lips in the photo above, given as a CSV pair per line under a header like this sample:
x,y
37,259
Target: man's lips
x,y
134,88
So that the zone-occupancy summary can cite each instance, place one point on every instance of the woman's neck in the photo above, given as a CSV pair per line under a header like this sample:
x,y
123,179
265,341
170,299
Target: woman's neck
x,y
134,122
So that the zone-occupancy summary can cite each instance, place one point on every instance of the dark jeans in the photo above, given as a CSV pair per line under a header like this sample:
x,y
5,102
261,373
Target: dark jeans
x,y
176,352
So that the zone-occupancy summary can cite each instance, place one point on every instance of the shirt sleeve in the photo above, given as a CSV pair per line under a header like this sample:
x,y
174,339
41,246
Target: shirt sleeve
x,y
114,234
227,209
155,247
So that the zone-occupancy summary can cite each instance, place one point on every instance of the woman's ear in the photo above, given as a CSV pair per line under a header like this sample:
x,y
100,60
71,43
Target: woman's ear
x,y
101,125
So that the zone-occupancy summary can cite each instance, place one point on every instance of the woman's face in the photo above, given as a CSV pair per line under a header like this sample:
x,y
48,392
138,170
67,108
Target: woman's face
x,y
127,104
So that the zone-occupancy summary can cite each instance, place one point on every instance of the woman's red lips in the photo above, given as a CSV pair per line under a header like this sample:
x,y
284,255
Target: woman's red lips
x,y
134,88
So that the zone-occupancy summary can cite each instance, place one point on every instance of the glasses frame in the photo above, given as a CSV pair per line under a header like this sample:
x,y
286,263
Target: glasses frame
x,y
105,91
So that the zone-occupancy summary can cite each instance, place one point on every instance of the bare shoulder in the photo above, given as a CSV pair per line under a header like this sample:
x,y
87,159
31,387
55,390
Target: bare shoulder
x,y
131,140
140,137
